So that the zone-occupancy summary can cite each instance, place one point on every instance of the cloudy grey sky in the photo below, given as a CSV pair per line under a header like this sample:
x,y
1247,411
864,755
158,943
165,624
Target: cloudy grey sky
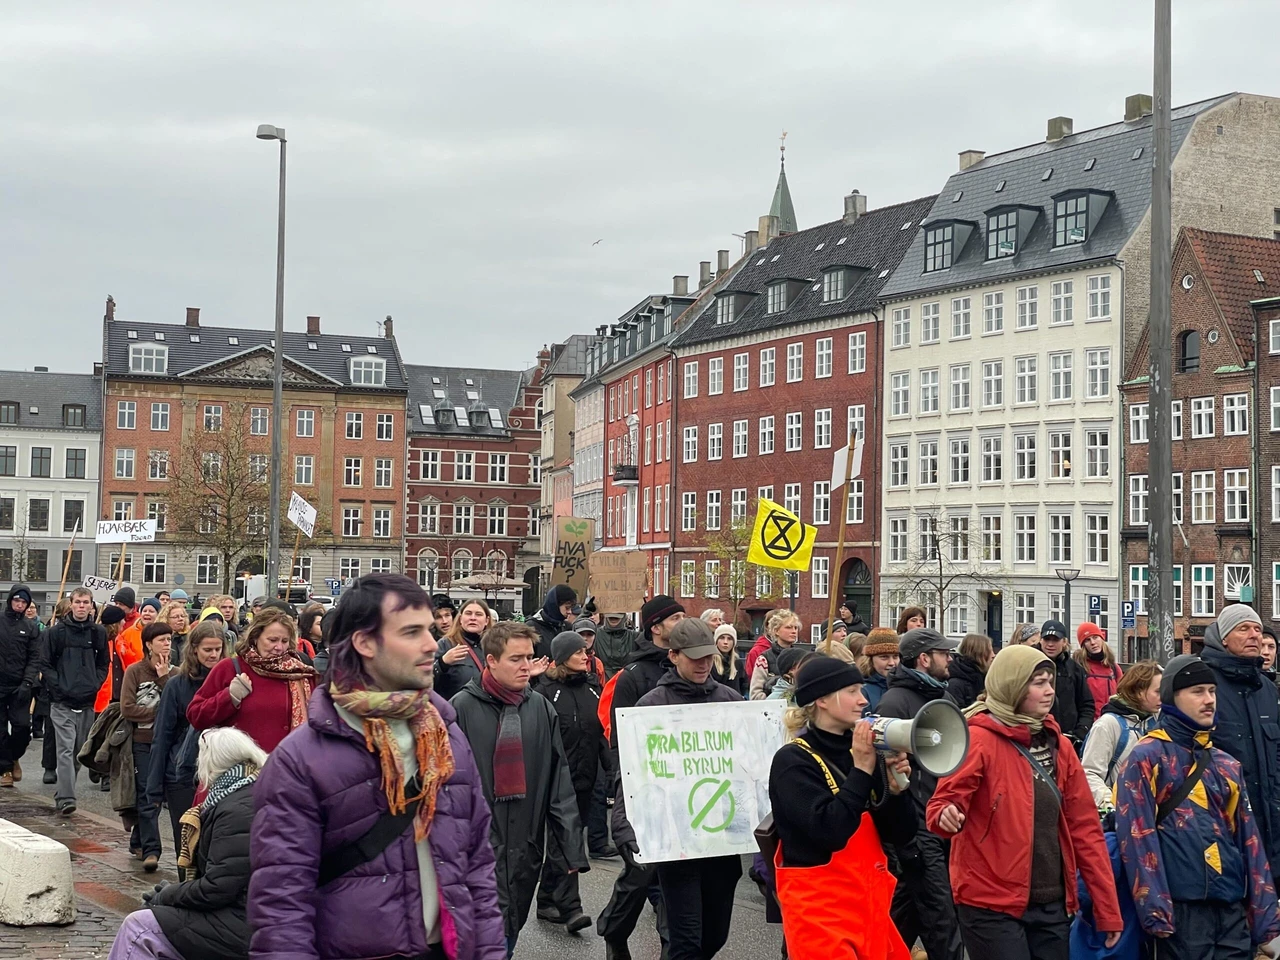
x,y
451,164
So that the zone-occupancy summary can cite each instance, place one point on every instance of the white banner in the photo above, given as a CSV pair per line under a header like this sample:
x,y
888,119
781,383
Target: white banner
x,y
840,465
696,776
126,531
101,587
301,514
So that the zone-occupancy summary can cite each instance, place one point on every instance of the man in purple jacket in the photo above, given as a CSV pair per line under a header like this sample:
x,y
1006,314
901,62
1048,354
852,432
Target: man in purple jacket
x,y
371,834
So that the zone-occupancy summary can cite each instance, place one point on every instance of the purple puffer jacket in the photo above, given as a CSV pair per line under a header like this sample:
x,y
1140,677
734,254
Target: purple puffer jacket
x,y
321,789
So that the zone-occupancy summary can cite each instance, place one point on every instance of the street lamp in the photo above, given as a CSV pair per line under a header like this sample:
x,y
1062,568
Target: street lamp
x,y
1066,575
268,132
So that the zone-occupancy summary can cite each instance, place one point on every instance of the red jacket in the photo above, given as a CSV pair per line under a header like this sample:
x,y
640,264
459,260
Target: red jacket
x,y
762,645
1103,681
991,855
264,714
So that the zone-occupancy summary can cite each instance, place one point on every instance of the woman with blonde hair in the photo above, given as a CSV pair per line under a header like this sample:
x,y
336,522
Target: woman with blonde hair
x,y
1102,673
782,630
1126,717
1025,633
727,665
460,659
175,614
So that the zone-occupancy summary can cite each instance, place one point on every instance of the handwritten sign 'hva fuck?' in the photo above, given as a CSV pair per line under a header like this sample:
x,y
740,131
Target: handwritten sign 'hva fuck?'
x,y
574,538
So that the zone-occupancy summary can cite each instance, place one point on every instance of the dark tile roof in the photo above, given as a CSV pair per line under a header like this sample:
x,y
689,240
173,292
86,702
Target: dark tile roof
x,y
1107,152
214,346
874,243
48,392
499,389
571,361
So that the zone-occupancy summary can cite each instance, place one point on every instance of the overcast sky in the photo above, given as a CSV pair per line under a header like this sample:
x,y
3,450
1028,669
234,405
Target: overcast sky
x,y
452,164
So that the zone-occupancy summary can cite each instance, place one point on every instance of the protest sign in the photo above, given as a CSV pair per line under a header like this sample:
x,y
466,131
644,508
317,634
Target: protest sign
x,y
126,531
101,587
618,579
301,514
696,776
573,547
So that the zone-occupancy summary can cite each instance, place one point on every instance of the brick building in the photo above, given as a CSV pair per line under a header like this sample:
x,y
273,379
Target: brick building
x,y
187,418
566,367
772,374
1226,435
474,481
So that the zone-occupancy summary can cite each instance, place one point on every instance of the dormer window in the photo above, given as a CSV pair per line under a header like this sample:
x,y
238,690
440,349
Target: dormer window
x,y
777,301
368,371
833,285
1002,234
8,413
145,358
1071,219
939,247
724,309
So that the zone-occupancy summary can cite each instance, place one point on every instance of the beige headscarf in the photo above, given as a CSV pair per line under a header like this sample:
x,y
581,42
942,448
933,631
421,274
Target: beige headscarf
x,y
1007,680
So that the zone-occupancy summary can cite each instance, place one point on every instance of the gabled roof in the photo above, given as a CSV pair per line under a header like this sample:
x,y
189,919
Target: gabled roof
x,y
874,243
1228,262
496,389
202,351
47,393
571,360
1114,159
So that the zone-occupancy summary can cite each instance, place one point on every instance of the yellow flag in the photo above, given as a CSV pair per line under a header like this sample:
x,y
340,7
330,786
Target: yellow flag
x,y
779,539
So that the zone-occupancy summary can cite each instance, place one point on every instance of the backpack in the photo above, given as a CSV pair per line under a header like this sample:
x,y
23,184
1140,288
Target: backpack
x,y
1119,750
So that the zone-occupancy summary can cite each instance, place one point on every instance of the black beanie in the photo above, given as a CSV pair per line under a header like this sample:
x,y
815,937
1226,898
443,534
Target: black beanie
x,y
1182,672
656,610
819,676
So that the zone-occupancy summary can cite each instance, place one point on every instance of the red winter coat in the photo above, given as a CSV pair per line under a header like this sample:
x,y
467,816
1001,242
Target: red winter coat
x,y
991,855
264,714
1103,681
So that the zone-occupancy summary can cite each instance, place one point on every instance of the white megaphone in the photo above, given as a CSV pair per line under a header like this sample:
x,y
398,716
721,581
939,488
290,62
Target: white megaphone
x,y
938,738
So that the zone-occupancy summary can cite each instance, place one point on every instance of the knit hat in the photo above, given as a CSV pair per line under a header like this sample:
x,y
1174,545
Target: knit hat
x,y
151,602
211,613
881,640
585,625
179,594
20,593
125,597
656,610
921,640
565,645
836,625
789,659
1182,672
693,638
1234,615
820,676
112,614
726,630
1089,629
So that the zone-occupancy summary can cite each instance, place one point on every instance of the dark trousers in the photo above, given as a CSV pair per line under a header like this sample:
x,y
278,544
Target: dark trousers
x,y
147,832
1206,931
922,906
178,799
699,899
15,729
1042,933
630,892
558,888
597,815
49,747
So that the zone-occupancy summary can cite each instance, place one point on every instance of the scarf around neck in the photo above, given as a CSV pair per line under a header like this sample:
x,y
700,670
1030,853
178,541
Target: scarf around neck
x,y
234,778
508,750
1006,683
431,744
300,678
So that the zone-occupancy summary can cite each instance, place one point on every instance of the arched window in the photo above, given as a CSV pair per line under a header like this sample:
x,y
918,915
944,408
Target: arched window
x,y
1189,352
495,561
428,569
461,564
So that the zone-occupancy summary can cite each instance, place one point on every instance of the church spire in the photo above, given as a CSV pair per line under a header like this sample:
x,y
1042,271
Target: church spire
x,y
781,206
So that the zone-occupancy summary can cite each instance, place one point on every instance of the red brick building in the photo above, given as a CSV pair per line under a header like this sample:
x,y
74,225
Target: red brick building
x,y
771,374
1226,435
474,481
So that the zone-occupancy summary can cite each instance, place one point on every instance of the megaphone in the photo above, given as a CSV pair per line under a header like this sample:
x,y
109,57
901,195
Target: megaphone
x,y
938,737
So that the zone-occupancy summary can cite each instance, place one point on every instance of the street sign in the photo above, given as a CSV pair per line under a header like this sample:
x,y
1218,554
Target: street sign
x,y
1095,603
301,514
1127,619
126,531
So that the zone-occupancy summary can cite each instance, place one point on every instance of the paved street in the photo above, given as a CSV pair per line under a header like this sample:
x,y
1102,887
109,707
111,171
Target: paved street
x,y
109,883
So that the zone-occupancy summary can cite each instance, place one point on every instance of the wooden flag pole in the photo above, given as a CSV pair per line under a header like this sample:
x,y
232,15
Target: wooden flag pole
x,y
66,564
834,575
297,544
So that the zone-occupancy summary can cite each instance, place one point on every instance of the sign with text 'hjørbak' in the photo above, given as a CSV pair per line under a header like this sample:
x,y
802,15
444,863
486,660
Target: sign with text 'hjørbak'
x,y
126,531
696,776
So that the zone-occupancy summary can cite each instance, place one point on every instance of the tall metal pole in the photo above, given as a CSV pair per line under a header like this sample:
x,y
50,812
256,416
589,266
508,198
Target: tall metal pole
x,y
277,399
1160,442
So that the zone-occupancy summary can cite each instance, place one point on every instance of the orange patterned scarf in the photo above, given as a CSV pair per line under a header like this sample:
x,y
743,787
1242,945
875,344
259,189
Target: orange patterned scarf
x,y
300,677
431,739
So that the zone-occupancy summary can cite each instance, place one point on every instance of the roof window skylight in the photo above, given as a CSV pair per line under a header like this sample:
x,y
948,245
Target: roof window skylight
x,y
470,382
436,381
760,261
776,257
1137,154
1088,164
234,341
426,414
1257,275
460,413
956,198
1047,174
1000,187
819,247
346,348
906,226
159,335
195,338
312,345
438,394
495,418
883,274
473,394
133,334
841,241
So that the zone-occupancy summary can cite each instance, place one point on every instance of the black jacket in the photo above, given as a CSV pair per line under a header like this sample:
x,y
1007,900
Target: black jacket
x,y
451,678
967,681
907,693
614,645
648,665
739,681
1073,703
173,756
519,827
74,658
576,701
19,646
547,631
205,918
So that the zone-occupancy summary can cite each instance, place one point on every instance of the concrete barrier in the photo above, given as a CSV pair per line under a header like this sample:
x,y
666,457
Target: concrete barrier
x,y
35,878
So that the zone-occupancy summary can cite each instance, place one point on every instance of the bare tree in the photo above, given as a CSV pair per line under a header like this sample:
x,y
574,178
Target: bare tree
x,y
948,567
738,579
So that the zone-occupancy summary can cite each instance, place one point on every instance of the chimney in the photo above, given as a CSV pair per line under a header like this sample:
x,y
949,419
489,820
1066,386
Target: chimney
x,y
111,307
388,330
770,227
193,316
1137,106
751,240
602,330
42,369
855,205
969,157
679,286
97,369
1059,127
313,326
722,262
704,273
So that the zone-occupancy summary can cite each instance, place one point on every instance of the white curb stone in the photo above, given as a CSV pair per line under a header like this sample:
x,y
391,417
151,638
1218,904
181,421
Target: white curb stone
x,y
35,879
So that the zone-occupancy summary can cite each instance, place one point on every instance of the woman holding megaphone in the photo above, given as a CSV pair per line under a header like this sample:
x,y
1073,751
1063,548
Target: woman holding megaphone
x,y
833,806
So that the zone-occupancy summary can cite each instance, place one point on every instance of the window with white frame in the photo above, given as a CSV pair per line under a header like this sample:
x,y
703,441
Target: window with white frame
x,y
382,472
957,613
832,285
713,509
822,428
259,421
928,537
960,387
795,425
929,390
688,575
1099,297
897,539
1138,499
1097,538
153,567
821,502
854,513
1175,419
820,578
993,312
961,324
690,379
900,394
776,294
715,441
1139,576
1275,408
1203,496
428,518
791,498
306,423
1175,496
738,505
1024,538
1204,601
689,511
1201,417
724,314
1059,454
690,444
992,538
1062,299
1060,385
351,521
930,322
1103,615
1026,387
1059,538
212,417
120,510
764,581
992,459
382,521
1139,422
1024,456
429,465
928,463
497,468
386,426
207,568
741,371
1237,578
768,366
1275,591
349,567
823,353
898,457
766,435
148,359
1097,373
959,539
1024,608
158,465
715,376
740,431
858,352
124,463
159,416
126,415
857,421
464,466
1028,308
901,327
1235,496
1177,591
959,460
368,371
795,362
993,383
1235,415
1097,454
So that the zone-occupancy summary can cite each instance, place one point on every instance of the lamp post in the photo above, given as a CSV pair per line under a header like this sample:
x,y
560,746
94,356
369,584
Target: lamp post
x,y
268,132
1066,575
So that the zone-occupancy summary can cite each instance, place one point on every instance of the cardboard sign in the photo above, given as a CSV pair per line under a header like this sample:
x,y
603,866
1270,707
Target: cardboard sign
x,y
574,537
126,531
101,587
618,579
301,514
696,776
